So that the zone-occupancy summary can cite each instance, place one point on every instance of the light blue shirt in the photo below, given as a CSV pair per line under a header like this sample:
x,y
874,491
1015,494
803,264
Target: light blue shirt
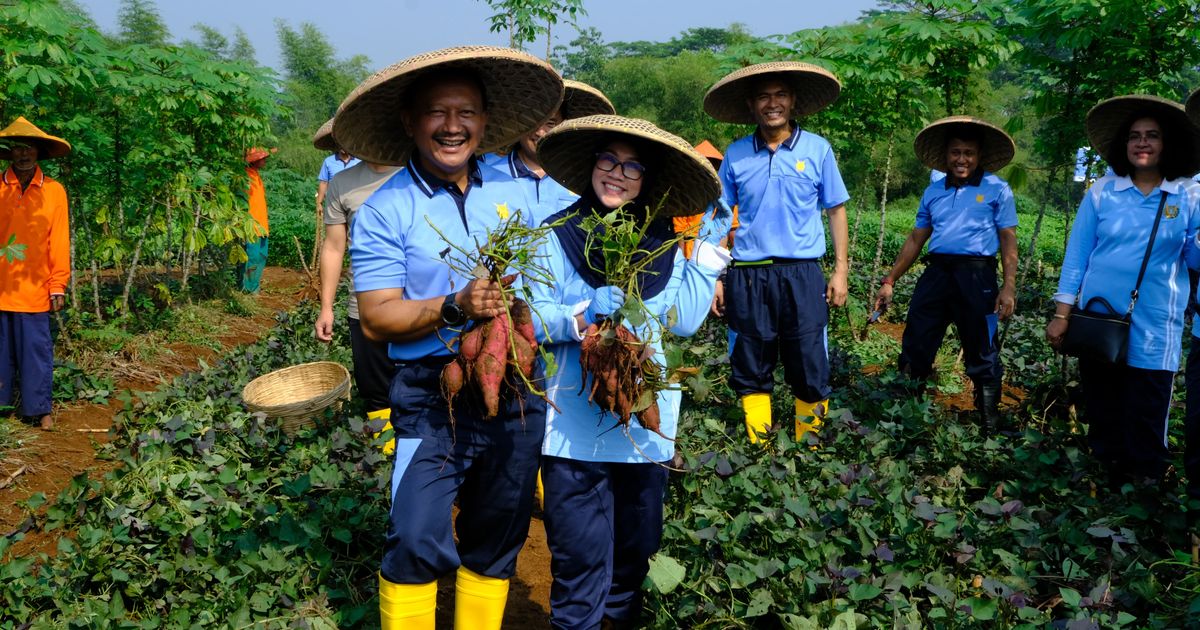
x,y
394,243
576,429
1105,251
965,220
332,166
545,193
781,194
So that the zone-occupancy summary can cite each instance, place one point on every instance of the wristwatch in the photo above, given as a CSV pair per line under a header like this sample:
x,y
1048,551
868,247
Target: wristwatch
x,y
452,313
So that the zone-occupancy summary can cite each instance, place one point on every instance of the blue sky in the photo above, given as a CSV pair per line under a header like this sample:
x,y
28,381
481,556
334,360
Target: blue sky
x,y
387,31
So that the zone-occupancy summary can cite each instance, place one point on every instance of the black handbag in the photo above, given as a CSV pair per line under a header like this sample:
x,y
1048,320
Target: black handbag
x,y
1103,335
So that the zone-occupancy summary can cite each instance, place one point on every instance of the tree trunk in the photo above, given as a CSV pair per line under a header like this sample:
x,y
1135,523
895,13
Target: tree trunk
x,y
95,275
548,39
887,174
166,255
189,246
74,273
137,253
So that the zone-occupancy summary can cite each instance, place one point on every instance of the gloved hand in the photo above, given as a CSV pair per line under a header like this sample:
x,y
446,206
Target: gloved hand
x,y
605,302
716,222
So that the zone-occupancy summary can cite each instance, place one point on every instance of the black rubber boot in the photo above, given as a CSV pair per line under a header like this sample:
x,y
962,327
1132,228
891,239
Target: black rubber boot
x,y
987,403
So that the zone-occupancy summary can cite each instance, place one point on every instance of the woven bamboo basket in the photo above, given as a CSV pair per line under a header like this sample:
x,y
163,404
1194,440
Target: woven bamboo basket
x,y
297,395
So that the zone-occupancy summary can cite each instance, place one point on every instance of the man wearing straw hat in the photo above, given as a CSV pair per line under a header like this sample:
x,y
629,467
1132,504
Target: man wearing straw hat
x,y
347,190
250,272
966,217
521,161
432,113
34,267
781,178
337,161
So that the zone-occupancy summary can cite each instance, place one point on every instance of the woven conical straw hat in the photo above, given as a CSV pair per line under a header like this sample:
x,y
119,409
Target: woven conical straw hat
x,y
48,146
323,139
1193,107
1106,119
997,148
814,87
676,175
581,99
521,92
709,151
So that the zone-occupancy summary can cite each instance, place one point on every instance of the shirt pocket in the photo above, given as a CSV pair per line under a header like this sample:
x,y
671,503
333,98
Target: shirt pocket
x,y
799,186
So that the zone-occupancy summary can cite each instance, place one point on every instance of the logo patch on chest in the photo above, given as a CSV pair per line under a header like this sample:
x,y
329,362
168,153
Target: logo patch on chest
x,y
978,198
799,166
1170,212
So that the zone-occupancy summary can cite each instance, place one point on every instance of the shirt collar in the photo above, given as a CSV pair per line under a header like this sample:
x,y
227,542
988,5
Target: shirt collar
x,y
430,183
1169,186
760,143
39,178
975,179
517,167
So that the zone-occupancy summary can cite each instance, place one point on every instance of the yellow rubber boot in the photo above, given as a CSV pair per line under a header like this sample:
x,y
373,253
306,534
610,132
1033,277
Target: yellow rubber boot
x,y
407,606
541,492
758,414
388,447
809,417
478,601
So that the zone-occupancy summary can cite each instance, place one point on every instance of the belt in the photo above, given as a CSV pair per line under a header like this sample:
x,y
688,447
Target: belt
x,y
771,261
959,259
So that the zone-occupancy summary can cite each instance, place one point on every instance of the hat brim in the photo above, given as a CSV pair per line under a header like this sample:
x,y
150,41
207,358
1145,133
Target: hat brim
x,y
996,152
677,177
581,99
48,148
1105,120
522,91
1193,107
814,88
323,139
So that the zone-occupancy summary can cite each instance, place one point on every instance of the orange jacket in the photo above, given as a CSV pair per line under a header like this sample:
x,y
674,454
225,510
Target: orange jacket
x,y
258,202
689,226
37,217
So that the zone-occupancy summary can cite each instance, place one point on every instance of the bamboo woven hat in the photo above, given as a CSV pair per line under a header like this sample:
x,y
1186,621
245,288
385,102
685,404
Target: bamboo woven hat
x,y
814,87
22,130
997,148
323,139
581,99
707,149
675,173
1106,119
521,91
1193,107
254,154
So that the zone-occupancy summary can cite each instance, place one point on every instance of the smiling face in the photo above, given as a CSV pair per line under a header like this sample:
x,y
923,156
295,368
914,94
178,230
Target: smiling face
x,y
962,158
771,102
613,188
1144,145
24,157
446,122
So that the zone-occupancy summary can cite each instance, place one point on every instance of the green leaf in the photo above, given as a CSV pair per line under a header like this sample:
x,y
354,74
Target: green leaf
x,y
760,603
864,591
1070,596
666,573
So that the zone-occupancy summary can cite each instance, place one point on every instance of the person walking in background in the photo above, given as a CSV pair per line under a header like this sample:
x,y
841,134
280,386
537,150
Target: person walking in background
x,y
605,487
250,272
967,216
34,269
1152,148
436,110
337,161
372,367
521,161
781,178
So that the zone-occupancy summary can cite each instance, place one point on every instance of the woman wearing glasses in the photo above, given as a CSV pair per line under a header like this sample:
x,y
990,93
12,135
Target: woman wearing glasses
x,y
604,486
1151,148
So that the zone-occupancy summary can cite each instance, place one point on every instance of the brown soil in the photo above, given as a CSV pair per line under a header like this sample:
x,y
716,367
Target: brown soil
x,y
51,459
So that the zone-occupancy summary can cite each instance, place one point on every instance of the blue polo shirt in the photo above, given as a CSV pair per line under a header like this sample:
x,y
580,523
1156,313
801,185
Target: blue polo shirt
x,y
332,166
965,219
781,194
1104,254
545,193
394,243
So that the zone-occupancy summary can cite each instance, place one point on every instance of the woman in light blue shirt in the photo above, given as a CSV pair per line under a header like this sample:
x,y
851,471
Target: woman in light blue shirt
x,y
1152,148
604,483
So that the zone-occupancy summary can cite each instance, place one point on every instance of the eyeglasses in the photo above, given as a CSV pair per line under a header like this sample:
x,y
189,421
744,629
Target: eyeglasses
x,y
1149,136
630,170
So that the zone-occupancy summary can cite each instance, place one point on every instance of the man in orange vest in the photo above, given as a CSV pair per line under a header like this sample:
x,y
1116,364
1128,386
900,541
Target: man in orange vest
x,y
35,264
250,272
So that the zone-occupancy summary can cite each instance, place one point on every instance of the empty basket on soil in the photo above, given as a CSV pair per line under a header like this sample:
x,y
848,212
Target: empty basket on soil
x,y
297,395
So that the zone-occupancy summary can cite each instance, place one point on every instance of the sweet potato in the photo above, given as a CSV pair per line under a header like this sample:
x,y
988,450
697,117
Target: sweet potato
x,y
522,319
488,373
471,343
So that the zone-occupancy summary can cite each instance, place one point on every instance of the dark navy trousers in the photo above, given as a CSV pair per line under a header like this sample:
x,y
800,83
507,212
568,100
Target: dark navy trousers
x,y
489,465
603,522
27,357
777,313
1126,410
1191,447
961,290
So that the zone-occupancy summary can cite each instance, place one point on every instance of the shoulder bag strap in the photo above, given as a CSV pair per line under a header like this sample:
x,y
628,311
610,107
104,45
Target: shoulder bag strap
x,y
1133,295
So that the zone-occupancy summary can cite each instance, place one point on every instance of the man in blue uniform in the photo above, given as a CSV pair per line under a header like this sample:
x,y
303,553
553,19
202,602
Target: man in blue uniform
x,y
436,110
337,161
967,217
781,179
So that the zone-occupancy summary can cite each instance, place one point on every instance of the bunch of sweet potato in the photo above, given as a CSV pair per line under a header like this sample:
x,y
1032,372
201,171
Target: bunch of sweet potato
x,y
495,355
618,364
